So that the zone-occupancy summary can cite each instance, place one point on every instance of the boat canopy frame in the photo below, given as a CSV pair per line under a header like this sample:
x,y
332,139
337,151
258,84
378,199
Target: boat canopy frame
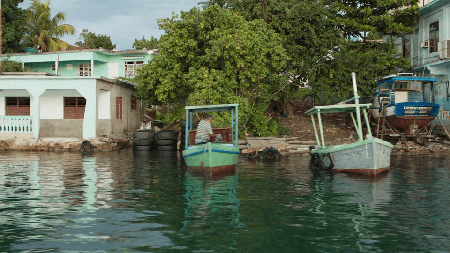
x,y
392,79
340,108
232,108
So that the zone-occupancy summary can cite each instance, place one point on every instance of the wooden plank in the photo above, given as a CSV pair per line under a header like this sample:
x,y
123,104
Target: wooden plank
x,y
302,142
242,142
299,151
301,146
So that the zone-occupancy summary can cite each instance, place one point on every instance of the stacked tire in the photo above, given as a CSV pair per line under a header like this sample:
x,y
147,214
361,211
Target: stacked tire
x,y
166,140
144,140
183,133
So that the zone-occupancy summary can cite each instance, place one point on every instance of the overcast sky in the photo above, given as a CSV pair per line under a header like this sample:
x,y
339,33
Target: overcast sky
x,y
123,20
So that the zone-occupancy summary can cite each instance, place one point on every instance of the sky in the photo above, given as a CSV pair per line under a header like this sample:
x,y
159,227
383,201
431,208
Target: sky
x,y
123,20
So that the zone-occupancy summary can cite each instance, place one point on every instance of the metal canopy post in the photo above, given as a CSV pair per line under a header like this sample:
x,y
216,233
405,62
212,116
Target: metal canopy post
x,y
186,134
356,126
236,122
315,130
369,131
358,115
232,127
320,127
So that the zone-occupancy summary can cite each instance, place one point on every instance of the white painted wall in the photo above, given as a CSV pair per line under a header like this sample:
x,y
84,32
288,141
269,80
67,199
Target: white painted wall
x,y
2,106
52,108
52,103
113,70
104,104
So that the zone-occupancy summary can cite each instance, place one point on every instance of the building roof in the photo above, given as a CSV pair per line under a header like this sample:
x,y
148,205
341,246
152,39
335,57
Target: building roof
x,y
45,75
432,5
101,51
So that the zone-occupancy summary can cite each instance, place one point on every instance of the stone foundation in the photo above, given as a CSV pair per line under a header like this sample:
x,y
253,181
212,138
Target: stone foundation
x,y
65,144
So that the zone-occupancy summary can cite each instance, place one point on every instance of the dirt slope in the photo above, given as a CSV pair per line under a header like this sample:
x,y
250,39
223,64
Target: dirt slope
x,y
338,127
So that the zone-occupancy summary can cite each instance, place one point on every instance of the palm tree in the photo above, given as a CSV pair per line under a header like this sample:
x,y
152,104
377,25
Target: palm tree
x,y
43,31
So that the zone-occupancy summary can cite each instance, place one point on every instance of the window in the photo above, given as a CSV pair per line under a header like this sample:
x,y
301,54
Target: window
x,y
131,67
17,106
407,86
434,37
118,107
133,103
84,69
74,107
406,48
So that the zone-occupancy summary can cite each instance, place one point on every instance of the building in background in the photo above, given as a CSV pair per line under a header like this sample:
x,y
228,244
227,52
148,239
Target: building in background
x,y
428,51
76,94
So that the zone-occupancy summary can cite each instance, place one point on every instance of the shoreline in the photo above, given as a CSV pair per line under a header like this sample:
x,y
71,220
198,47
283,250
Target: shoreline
x,y
247,146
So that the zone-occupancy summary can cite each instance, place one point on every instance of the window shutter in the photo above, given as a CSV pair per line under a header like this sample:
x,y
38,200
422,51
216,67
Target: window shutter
x,y
119,108
17,106
74,107
133,103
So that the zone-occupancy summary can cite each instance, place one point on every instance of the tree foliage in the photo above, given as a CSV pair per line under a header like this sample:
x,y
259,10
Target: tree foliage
x,y
43,31
90,40
317,34
13,26
11,66
215,56
147,44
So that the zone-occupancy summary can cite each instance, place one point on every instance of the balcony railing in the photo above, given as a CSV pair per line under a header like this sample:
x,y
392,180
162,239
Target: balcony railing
x,y
422,3
16,124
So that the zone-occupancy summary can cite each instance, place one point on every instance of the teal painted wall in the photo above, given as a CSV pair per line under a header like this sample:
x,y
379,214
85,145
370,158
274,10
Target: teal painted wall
x,y
42,62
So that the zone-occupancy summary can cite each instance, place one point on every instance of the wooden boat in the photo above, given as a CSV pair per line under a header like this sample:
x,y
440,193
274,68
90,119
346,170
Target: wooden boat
x,y
400,100
212,157
368,156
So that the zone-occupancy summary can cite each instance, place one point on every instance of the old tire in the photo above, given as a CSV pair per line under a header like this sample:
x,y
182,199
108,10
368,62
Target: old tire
x,y
143,148
327,162
149,142
145,134
315,159
86,146
166,135
166,142
158,123
166,148
183,125
270,153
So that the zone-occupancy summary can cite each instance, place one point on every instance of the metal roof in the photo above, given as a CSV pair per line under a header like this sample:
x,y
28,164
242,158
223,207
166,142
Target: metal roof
x,y
391,79
212,108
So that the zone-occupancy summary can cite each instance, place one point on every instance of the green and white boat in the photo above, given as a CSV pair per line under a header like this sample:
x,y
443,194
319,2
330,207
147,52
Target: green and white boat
x,y
213,158
368,156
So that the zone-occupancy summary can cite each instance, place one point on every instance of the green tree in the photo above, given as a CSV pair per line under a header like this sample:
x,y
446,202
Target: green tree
x,y
43,31
316,35
90,40
13,26
214,56
11,66
147,44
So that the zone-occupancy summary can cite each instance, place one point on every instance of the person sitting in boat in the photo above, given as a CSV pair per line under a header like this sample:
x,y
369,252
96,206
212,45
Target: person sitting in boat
x,y
204,130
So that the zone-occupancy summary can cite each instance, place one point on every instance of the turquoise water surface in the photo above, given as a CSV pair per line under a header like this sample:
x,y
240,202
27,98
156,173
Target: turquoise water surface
x,y
147,202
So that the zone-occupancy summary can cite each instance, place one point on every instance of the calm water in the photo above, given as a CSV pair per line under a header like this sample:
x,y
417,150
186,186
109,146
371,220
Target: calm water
x,y
139,202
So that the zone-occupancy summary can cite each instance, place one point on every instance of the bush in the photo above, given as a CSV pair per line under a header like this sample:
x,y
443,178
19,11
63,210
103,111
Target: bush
x,y
283,130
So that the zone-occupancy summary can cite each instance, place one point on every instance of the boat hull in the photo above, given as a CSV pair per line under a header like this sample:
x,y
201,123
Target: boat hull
x,y
403,115
404,122
212,158
368,157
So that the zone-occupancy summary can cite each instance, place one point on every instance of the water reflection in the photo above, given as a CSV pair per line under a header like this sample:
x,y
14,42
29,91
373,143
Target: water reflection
x,y
147,201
